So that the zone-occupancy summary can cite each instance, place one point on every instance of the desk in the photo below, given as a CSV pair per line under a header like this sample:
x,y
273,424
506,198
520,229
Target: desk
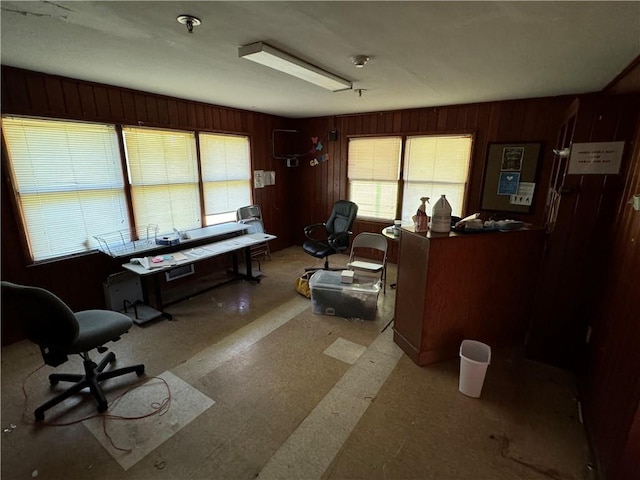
x,y
388,232
203,252
114,245
456,286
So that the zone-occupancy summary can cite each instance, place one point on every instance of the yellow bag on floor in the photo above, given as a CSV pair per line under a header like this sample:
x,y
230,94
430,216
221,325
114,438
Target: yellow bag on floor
x,y
302,284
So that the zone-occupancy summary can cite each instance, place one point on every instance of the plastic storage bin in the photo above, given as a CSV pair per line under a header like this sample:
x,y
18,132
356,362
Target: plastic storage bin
x,y
474,360
329,296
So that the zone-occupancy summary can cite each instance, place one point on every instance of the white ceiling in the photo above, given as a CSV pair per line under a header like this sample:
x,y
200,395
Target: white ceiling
x,y
423,54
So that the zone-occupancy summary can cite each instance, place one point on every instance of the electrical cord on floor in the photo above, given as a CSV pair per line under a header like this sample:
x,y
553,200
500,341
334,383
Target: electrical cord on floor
x,y
159,408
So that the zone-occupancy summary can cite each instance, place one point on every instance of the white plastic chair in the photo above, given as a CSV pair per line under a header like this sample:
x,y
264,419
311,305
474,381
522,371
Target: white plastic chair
x,y
369,241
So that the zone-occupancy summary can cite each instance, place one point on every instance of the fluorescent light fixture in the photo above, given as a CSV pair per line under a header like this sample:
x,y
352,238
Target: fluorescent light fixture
x,y
264,54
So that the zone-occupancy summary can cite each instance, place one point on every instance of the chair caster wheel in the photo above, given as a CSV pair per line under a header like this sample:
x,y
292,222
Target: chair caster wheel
x,y
39,416
102,407
53,382
140,372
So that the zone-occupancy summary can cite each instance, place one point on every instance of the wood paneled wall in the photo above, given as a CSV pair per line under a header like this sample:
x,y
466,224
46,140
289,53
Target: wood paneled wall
x,y
611,390
535,120
305,195
79,280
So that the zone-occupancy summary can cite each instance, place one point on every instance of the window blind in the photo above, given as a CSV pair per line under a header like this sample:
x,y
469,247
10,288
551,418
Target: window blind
x,y
69,183
373,172
434,166
163,173
226,175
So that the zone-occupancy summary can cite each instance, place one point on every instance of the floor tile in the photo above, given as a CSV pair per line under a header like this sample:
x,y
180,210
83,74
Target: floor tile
x,y
345,350
142,436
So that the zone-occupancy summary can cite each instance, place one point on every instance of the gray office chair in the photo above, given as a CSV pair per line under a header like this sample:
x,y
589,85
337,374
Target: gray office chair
x,y
332,236
369,243
51,324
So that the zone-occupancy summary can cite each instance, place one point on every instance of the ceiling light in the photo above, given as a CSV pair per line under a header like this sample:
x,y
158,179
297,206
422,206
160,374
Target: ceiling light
x,y
190,21
360,61
266,55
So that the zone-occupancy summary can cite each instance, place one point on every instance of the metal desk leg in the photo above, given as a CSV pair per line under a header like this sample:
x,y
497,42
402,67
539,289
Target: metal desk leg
x,y
157,291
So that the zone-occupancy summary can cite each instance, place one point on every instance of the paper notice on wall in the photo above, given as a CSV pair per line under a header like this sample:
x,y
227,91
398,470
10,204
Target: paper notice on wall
x,y
595,158
269,178
524,195
508,183
258,178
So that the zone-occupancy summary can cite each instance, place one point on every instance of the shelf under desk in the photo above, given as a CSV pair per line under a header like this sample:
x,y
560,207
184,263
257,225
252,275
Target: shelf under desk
x,y
200,253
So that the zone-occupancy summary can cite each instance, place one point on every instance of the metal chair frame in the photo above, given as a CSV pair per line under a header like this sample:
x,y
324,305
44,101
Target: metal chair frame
x,y
373,241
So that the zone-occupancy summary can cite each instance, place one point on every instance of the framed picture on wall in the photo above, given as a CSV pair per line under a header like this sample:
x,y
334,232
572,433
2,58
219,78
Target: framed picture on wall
x,y
510,177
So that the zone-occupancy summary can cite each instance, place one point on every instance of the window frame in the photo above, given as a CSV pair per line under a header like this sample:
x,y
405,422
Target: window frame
x,y
133,226
223,215
62,134
191,185
401,181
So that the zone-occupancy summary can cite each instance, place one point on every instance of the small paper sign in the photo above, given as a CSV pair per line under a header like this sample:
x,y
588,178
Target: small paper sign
x,y
524,195
595,158
258,178
508,183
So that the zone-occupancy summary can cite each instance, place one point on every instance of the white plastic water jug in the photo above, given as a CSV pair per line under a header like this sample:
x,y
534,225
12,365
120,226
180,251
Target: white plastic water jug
x,y
441,216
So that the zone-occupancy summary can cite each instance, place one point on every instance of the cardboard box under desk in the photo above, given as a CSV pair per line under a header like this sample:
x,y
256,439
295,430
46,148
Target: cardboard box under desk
x,y
329,296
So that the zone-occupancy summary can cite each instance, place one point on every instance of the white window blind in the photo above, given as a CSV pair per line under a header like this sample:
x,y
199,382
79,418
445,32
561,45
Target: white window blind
x,y
226,175
373,171
434,166
163,173
69,182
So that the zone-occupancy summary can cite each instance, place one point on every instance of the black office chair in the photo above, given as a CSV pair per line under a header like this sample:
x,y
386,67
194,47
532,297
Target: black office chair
x,y
50,323
332,236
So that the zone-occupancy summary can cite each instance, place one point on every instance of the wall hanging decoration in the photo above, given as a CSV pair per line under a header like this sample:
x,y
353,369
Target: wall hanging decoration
x,y
316,152
510,176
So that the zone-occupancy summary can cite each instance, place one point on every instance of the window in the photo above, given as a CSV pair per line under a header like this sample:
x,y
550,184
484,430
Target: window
x,y
435,166
226,175
373,174
429,166
69,183
163,172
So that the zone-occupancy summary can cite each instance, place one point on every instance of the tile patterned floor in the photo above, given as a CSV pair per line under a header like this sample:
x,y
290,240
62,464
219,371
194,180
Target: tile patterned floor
x,y
261,387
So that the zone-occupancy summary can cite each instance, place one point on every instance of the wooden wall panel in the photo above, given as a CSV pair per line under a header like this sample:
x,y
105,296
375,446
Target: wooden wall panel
x,y
79,280
534,120
611,390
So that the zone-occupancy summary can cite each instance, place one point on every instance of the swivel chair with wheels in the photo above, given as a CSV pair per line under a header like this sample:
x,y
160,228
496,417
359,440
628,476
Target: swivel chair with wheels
x,y
332,236
51,324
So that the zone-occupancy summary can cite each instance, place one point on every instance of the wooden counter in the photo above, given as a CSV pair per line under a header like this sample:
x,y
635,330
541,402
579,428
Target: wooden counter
x,y
453,287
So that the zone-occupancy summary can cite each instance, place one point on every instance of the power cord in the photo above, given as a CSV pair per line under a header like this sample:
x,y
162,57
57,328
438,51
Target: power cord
x,y
159,408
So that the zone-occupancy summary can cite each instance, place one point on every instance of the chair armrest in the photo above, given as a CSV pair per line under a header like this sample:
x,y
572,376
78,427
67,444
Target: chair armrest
x,y
310,229
339,241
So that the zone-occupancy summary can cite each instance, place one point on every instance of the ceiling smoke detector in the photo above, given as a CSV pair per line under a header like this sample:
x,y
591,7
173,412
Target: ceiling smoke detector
x,y
360,61
190,21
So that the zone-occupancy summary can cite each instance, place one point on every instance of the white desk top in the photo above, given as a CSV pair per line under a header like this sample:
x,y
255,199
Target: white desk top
x,y
118,249
203,252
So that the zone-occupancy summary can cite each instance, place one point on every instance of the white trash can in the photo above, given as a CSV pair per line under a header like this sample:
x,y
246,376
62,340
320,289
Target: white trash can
x,y
474,360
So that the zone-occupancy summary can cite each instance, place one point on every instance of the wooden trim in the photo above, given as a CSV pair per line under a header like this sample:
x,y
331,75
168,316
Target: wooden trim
x,y
15,204
127,184
635,63
203,213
